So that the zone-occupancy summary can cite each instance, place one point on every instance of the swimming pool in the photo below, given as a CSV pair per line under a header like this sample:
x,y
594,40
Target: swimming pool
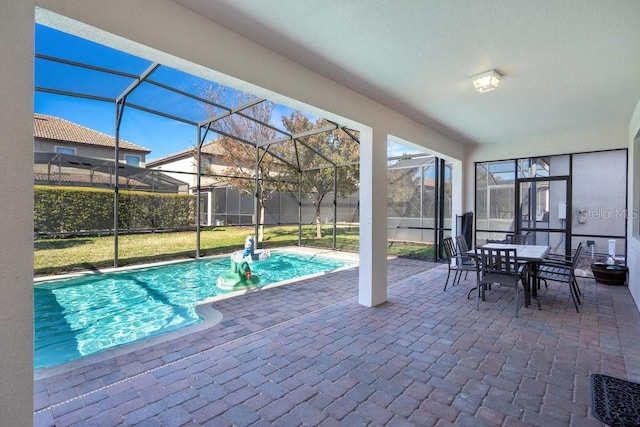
x,y
82,315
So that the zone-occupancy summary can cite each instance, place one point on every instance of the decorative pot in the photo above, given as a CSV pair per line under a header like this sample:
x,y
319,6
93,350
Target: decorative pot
x,y
610,274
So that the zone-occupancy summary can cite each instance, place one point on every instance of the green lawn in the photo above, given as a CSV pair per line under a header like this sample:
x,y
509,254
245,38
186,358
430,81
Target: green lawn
x,y
54,256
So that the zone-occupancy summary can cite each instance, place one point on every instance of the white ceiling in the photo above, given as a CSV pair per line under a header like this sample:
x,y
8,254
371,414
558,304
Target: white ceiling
x,y
568,65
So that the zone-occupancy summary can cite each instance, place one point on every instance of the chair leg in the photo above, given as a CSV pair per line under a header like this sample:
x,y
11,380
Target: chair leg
x,y
515,314
576,290
479,287
447,281
531,296
456,278
577,286
574,296
471,290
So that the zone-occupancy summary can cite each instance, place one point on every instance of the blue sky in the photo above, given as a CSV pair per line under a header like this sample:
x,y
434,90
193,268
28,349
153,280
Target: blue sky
x,y
161,135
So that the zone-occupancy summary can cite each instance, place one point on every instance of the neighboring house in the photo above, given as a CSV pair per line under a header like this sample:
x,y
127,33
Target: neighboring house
x,y
183,166
55,135
67,153
221,204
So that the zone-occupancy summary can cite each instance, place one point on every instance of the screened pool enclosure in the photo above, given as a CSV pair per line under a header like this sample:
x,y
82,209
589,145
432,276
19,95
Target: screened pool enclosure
x,y
222,156
558,201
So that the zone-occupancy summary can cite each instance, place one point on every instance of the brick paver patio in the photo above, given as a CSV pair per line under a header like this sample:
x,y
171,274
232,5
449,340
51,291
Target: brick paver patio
x,y
309,354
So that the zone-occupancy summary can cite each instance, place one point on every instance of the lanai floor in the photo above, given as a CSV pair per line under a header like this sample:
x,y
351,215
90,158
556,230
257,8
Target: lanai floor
x,y
309,354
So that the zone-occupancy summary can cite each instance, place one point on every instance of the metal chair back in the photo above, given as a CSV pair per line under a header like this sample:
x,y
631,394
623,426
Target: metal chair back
x,y
518,239
562,269
497,266
457,262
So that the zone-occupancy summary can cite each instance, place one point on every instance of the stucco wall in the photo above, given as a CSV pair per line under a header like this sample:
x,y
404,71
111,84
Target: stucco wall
x,y
181,165
44,146
16,213
633,240
599,188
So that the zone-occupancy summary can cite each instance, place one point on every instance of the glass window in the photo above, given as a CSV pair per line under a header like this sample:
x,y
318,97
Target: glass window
x,y
205,165
65,150
132,160
501,172
542,201
495,191
501,202
533,168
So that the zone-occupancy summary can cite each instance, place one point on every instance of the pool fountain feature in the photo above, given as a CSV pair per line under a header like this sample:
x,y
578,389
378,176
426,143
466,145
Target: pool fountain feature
x,y
238,278
249,253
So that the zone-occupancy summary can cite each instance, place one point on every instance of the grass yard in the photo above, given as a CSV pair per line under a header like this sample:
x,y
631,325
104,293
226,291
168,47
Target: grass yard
x,y
61,255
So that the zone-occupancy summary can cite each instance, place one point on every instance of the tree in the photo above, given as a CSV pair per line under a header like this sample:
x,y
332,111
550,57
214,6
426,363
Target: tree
x,y
315,156
240,154
404,192
319,156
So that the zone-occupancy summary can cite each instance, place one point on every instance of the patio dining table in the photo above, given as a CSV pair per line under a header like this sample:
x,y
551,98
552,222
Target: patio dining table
x,y
532,255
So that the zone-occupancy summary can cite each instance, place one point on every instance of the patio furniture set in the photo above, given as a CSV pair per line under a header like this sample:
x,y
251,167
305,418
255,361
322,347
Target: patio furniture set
x,y
511,263
615,401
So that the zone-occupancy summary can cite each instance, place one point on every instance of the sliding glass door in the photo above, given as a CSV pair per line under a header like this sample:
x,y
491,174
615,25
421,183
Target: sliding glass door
x,y
543,211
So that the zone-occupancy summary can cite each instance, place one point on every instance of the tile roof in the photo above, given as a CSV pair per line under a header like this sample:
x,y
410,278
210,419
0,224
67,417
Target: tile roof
x,y
57,129
212,147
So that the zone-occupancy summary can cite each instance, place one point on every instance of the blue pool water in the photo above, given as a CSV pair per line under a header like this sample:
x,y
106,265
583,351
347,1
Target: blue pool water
x,y
82,315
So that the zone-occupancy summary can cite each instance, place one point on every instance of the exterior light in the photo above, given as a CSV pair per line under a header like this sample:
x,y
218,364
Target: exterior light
x,y
486,81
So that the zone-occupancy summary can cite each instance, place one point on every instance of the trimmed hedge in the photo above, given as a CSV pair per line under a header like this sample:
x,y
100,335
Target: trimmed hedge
x,y
79,209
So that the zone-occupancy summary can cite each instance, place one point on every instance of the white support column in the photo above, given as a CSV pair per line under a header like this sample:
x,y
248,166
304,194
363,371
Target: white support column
x,y
373,218
457,195
16,213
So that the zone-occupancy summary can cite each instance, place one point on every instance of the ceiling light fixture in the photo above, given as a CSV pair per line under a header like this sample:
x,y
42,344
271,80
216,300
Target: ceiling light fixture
x,y
486,81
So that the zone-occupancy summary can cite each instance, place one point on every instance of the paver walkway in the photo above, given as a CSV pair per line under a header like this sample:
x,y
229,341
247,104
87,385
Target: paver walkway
x,y
309,354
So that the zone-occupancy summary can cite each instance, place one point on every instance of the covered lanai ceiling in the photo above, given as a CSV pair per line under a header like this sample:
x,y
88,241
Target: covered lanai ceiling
x,y
568,66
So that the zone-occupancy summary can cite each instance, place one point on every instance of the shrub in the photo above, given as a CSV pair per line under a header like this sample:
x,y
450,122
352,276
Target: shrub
x,y
79,209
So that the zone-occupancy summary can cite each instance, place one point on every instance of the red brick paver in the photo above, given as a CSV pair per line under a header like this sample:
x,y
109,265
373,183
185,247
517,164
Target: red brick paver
x,y
309,354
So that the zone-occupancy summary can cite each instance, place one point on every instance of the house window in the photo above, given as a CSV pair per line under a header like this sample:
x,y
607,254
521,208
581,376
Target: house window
x,y
132,160
205,165
65,150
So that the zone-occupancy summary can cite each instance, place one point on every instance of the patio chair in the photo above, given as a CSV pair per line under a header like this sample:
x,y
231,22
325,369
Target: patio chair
x,y
461,243
562,269
517,239
458,262
500,266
